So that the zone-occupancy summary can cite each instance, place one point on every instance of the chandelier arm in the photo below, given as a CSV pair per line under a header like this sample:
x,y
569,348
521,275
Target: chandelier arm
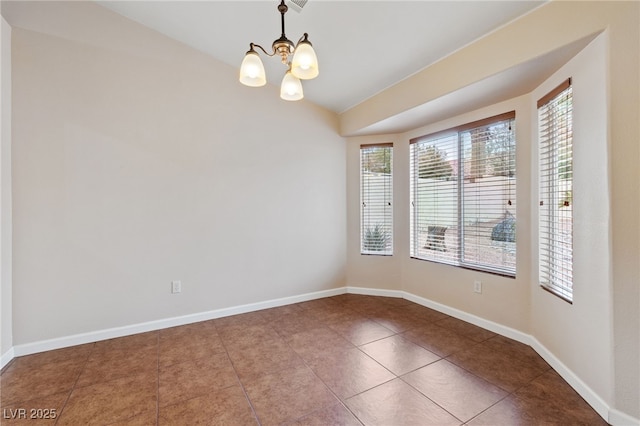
x,y
262,48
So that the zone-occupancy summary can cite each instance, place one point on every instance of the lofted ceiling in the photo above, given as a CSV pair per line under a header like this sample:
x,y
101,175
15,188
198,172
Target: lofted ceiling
x,y
363,47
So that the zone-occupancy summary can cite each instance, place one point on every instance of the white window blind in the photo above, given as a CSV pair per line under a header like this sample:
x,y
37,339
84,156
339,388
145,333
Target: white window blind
x,y
434,191
463,193
555,223
376,196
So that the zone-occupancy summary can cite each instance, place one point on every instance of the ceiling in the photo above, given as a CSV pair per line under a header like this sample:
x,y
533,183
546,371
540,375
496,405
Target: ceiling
x,y
363,47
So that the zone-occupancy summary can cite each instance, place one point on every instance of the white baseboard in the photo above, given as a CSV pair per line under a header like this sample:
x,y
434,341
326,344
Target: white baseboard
x,y
375,292
475,320
7,357
111,333
613,416
570,377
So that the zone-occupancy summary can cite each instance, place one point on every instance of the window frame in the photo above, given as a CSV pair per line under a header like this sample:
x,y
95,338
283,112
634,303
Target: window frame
x,y
458,259
387,222
550,267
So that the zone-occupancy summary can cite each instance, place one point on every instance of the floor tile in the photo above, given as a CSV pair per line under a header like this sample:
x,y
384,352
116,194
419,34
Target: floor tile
x,y
360,330
172,351
31,379
335,415
293,323
344,315
396,320
75,354
110,402
394,301
148,418
438,340
239,337
313,343
500,368
398,404
244,320
513,411
204,332
399,355
223,407
288,395
132,343
192,378
41,411
517,351
539,404
349,359
366,305
264,358
456,390
115,363
350,372
424,313
552,391
326,304
280,312
473,332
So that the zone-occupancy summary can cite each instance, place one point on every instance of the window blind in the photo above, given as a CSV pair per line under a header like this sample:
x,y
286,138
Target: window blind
x,y
376,195
555,223
434,189
489,196
463,193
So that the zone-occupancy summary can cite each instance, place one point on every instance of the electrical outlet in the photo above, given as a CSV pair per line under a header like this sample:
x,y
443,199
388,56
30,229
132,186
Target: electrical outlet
x,y
176,287
477,286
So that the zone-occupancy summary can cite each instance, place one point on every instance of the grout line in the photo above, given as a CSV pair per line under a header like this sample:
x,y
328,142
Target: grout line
x,y
244,390
340,401
158,378
75,382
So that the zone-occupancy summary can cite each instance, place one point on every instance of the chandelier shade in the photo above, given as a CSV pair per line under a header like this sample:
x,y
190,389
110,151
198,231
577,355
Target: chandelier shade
x,y
300,59
304,64
291,88
252,70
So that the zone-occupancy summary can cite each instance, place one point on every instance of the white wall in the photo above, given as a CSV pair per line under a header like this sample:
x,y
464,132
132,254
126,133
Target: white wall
x,y
6,310
138,161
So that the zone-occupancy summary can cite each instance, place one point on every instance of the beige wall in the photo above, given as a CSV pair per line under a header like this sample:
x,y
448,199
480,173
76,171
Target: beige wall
x,y
377,272
600,340
570,331
138,161
6,317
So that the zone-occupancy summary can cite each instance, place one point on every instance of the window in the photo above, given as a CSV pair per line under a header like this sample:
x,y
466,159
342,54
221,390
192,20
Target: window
x,y
463,196
376,196
555,223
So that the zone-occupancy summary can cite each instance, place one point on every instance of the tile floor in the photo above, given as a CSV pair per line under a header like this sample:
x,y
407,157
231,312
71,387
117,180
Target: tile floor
x,y
344,360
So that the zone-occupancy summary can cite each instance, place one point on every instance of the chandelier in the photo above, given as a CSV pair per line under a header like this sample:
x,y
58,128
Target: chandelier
x,y
300,59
